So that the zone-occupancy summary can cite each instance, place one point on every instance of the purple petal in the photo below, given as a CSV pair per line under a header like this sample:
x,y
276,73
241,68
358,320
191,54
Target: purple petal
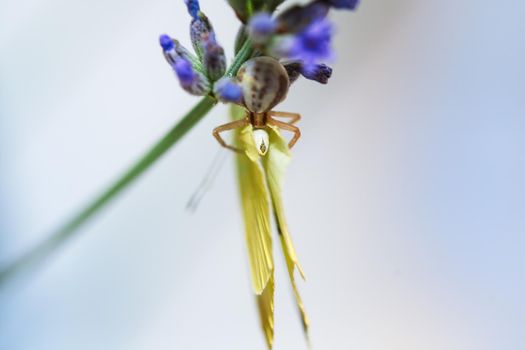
x,y
193,7
318,72
166,42
344,4
184,72
227,90
261,27
313,44
214,59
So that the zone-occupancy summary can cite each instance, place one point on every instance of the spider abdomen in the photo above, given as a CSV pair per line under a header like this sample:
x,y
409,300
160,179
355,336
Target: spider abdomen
x,y
264,83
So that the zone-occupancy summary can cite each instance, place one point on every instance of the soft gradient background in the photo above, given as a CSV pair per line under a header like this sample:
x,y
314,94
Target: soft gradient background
x,y
405,197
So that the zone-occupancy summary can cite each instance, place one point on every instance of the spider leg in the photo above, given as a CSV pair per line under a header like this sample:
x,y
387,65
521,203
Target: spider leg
x,y
288,127
229,126
294,117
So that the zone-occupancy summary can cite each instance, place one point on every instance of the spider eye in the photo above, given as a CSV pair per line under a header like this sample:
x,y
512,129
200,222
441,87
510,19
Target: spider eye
x,y
262,141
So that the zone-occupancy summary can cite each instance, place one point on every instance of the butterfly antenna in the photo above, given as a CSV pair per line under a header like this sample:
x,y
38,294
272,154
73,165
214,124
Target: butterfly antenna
x,y
207,181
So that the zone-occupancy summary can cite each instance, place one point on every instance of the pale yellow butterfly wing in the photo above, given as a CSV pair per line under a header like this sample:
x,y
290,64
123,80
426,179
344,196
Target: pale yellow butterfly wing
x,y
256,212
265,305
275,163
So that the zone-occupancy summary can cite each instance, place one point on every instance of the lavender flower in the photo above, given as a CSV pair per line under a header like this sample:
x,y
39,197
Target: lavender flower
x,y
310,46
344,4
185,72
200,29
261,27
166,42
316,72
190,80
168,47
297,17
300,34
210,53
173,49
313,44
244,9
214,59
193,8
294,71
228,90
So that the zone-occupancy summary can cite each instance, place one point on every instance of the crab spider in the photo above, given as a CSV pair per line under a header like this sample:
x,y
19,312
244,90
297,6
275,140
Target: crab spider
x,y
264,83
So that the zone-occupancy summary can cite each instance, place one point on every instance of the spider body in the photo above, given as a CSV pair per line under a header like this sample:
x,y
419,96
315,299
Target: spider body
x,y
264,83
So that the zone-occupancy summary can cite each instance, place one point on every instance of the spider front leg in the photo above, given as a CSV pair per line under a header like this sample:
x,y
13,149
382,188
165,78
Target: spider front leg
x,y
229,126
288,127
294,117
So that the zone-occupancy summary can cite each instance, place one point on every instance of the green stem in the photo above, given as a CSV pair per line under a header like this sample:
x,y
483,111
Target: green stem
x,y
69,229
249,8
244,54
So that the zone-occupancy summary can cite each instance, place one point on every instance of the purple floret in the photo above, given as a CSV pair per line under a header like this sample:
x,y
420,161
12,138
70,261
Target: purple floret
x,y
184,72
344,4
228,91
166,42
193,7
318,72
261,27
313,44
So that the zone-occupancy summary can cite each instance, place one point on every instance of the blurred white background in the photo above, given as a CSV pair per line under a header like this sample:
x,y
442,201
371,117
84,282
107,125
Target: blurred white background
x,y
405,196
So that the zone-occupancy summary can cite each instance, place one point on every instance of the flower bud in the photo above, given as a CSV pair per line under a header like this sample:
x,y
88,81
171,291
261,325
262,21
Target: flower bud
x,y
200,28
210,53
261,27
298,17
228,90
192,81
344,4
294,70
317,72
193,7
214,59
243,11
308,46
172,49
168,47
